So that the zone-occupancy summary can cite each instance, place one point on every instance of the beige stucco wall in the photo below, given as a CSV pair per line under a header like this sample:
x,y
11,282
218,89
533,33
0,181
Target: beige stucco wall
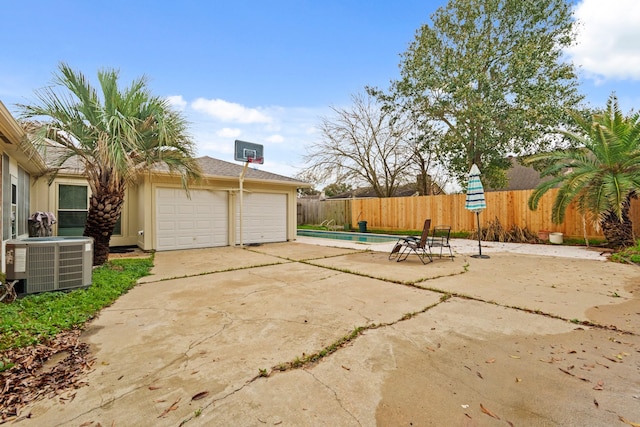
x,y
44,197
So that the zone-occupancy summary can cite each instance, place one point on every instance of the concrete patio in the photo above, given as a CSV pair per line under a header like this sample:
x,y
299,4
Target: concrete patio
x,y
462,342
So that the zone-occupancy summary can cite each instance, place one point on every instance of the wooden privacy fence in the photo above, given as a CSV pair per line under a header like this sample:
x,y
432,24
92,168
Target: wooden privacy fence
x,y
509,207
314,211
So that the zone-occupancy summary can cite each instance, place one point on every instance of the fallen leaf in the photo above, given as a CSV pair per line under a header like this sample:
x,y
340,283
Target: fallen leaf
x,y
154,387
488,412
518,379
595,402
626,421
610,359
173,407
567,372
344,367
490,361
479,375
599,385
514,357
200,395
27,382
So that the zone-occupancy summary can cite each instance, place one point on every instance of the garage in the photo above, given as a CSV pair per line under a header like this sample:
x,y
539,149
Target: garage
x,y
265,218
200,221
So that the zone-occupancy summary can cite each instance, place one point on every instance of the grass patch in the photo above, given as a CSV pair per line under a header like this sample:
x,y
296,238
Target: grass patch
x,y
37,318
628,255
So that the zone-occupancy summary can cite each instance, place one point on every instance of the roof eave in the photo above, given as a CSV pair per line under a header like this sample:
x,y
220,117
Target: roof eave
x,y
296,184
15,141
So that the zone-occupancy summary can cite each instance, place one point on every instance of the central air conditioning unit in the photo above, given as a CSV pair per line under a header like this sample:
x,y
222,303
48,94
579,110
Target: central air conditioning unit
x,y
50,263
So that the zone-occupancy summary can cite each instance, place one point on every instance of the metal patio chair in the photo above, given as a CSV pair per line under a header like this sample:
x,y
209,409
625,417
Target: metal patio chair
x,y
405,246
440,239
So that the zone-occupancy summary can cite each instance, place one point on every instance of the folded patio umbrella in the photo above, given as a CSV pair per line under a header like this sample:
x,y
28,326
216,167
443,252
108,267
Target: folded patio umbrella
x,y
475,201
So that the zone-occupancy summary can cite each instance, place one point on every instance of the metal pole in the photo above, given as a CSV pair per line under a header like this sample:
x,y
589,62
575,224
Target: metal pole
x,y
479,244
479,231
244,171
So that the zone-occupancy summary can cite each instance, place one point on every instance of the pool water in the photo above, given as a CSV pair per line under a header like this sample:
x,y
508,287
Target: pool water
x,y
353,237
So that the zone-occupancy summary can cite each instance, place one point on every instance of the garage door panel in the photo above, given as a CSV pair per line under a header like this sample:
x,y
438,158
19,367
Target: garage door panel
x,y
265,218
197,222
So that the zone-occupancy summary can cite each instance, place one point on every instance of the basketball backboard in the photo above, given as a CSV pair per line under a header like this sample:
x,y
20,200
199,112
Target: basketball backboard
x,y
248,152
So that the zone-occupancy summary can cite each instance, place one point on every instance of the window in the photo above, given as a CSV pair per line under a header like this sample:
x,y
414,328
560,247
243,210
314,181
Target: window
x,y
23,201
14,207
73,205
6,199
73,208
14,201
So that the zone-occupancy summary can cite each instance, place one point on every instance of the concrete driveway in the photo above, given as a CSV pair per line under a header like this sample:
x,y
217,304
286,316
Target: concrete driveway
x,y
295,334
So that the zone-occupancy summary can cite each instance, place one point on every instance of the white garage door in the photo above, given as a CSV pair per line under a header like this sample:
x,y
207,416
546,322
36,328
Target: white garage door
x,y
199,222
265,218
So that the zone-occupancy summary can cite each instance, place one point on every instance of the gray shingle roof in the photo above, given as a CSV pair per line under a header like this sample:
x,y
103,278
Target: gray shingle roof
x,y
217,167
210,168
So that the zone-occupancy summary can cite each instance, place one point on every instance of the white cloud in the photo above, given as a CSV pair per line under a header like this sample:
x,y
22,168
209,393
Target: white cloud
x,y
229,132
607,43
284,138
276,139
177,101
229,111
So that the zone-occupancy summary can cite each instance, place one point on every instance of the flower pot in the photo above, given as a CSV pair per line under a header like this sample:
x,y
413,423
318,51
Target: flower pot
x,y
543,235
555,238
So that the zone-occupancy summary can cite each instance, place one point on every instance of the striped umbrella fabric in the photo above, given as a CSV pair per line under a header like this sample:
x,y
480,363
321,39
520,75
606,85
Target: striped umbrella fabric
x,y
475,201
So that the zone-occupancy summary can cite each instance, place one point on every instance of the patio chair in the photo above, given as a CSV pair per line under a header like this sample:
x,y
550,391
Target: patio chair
x,y
412,244
440,238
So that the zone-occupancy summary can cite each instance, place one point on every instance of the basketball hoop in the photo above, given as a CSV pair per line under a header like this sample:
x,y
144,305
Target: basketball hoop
x,y
259,160
246,152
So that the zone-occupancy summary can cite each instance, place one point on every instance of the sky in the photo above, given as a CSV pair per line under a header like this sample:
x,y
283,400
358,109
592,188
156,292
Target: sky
x,y
268,71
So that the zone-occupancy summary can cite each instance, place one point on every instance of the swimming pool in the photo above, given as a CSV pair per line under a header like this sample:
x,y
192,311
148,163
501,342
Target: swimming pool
x,y
353,237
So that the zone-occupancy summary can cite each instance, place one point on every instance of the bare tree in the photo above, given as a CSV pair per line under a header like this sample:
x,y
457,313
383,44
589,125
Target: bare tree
x,y
363,144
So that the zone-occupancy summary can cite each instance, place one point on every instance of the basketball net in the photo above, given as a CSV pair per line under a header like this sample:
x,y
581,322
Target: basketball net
x,y
259,160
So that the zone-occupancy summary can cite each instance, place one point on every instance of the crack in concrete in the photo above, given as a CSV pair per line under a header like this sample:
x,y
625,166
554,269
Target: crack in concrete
x,y
308,360
335,395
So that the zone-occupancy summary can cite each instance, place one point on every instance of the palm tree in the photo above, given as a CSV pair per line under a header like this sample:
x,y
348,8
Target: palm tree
x,y
115,135
601,176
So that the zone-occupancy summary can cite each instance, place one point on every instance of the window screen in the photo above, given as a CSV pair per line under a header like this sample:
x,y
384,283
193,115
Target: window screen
x,y
73,203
